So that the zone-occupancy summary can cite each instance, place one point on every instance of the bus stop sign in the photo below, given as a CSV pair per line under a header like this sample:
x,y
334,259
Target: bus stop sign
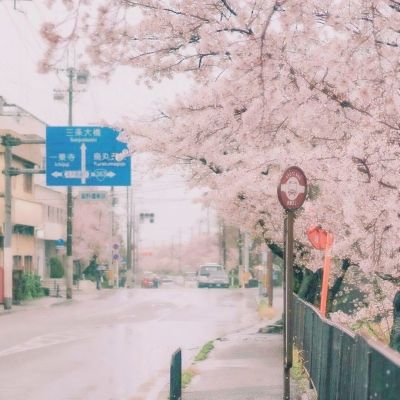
x,y
292,189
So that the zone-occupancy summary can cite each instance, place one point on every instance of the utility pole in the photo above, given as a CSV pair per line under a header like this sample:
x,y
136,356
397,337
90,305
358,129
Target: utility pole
x,y
222,240
246,257
270,281
8,142
128,230
81,77
70,263
8,257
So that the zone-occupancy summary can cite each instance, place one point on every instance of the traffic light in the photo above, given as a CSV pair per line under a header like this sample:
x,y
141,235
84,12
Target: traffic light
x,y
149,216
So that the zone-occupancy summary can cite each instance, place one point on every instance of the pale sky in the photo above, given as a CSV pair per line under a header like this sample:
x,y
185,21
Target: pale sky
x,y
176,216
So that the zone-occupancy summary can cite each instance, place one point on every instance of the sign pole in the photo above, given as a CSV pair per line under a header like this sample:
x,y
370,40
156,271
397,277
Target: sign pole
x,y
322,239
289,301
325,276
292,192
286,371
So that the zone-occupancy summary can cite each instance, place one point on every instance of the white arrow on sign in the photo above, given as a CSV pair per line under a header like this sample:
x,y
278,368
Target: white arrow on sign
x,y
83,163
57,174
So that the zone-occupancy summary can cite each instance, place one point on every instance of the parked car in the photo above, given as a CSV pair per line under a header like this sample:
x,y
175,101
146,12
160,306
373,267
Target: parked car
x,y
218,279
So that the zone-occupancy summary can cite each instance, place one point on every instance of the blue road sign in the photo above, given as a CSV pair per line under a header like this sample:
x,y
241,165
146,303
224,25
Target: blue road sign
x,y
85,156
60,243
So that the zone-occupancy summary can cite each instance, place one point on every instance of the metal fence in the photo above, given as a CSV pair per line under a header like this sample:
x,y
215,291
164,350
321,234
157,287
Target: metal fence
x,y
175,377
343,365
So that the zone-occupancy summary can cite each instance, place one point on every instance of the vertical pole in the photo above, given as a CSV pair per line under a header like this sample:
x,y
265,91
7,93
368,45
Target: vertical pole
x,y
325,276
245,258
8,267
69,198
133,238
288,303
114,262
240,256
286,376
224,252
128,231
270,285
246,253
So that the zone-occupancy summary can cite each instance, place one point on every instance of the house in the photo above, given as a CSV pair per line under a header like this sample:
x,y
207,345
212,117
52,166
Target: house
x,y
38,212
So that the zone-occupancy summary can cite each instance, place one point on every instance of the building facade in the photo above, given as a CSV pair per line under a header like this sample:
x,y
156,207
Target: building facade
x,y
37,212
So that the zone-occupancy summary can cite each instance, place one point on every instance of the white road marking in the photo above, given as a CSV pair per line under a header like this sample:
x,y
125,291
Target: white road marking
x,y
47,340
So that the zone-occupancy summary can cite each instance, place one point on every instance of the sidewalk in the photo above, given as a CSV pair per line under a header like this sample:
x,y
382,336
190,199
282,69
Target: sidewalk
x,y
49,301
242,366
246,365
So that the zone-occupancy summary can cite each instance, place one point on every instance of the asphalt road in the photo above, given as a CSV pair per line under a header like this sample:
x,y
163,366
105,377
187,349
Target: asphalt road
x,y
115,346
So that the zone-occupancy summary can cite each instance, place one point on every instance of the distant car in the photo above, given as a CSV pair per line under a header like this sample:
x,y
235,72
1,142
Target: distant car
x,y
150,281
204,273
166,279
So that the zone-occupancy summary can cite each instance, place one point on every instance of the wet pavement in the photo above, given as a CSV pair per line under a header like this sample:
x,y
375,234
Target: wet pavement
x,y
114,345
246,365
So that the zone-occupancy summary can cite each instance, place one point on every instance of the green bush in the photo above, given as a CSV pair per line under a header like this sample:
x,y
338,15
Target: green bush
x,y
56,268
26,286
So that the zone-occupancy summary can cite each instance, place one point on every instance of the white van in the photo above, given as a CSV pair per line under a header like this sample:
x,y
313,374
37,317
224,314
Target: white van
x,y
212,274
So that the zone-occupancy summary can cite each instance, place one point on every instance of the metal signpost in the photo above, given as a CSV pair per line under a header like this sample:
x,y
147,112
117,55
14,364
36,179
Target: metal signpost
x,y
85,156
292,192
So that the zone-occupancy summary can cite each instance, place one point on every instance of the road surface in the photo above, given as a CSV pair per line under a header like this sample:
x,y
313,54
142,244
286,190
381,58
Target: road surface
x,y
114,346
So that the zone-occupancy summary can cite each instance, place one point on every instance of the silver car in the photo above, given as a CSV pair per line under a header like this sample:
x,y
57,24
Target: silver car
x,y
218,279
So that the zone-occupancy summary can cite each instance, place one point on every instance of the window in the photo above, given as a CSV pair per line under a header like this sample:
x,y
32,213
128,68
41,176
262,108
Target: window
x,y
23,230
28,263
17,262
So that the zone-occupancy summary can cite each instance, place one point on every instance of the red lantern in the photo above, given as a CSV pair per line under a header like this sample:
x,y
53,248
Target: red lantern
x,y
319,238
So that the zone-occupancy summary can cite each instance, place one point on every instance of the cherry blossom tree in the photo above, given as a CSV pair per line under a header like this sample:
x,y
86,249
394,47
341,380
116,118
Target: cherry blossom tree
x,y
92,231
273,84
181,257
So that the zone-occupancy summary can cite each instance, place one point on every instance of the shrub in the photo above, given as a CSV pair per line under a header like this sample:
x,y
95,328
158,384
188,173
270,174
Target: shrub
x,y
26,286
56,268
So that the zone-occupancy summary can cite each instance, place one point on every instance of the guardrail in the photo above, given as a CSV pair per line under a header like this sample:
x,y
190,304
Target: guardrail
x,y
343,365
175,377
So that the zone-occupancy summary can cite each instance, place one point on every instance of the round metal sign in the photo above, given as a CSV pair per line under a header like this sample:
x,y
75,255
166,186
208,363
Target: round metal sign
x,y
292,189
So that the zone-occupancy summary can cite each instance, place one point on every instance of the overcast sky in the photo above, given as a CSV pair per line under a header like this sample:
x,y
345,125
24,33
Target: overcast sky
x,y
176,216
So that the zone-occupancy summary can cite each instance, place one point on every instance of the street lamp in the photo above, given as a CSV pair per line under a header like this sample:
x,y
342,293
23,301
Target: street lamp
x,y
81,77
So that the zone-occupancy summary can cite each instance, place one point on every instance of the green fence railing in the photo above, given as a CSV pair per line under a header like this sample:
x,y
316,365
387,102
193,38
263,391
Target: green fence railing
x,y
175,378
343,365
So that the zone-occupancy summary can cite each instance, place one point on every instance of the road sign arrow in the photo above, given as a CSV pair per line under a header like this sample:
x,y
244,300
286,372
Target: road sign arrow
x,y
57,174
110,174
